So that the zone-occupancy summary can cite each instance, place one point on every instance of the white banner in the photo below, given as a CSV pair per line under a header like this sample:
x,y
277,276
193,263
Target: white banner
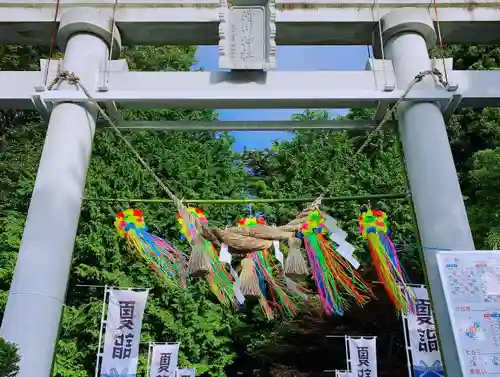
x,y
362,356
164,360
424,346
123,333
186,372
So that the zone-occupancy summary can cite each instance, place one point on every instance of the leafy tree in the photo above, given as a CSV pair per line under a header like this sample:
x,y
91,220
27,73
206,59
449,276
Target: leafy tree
x,y
196,165
323,161
9,359
202,165
475,140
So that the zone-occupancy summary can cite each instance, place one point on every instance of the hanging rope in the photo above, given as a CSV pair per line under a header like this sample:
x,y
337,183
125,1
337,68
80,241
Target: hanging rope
x,y
241,240
442,79
441,42
72,79
381,40
402,195
52,42
389,113
111,44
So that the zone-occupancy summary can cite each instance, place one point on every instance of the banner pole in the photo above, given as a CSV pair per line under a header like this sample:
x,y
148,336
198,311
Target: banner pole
x,y
406,333
103,320
347,354
148,366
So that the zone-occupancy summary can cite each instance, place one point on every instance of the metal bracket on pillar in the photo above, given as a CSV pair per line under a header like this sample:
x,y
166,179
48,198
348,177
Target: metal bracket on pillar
x,y
113,112
448,107
389,84
48,74
247,33
45,107
42,107
120,65
445,65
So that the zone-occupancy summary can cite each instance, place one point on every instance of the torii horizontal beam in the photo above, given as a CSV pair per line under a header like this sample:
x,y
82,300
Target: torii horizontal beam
x,y
298,22
214,126
253,90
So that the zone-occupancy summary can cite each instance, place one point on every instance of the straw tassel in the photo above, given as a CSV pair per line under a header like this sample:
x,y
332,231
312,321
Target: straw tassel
x,y
295,264
190,220
249,286
199,264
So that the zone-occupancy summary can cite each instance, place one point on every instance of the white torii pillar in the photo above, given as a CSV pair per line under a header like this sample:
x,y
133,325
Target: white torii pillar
x,y
38,290
442,220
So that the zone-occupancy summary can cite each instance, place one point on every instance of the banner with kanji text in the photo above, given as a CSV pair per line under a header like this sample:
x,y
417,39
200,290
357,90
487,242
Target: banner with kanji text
x,y
423,341
164,360
123,333
362,356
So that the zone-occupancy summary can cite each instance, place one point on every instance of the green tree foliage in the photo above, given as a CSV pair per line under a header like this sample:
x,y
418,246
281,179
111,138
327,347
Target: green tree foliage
x,y
202,165
195,165
9,359
475,140
323,161
312,163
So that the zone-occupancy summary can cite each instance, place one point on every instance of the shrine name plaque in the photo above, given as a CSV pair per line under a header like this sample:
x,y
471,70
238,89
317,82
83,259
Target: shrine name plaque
x,y
248,33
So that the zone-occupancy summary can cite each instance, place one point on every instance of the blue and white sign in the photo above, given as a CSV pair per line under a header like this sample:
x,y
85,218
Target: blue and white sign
x,y
471,284
424,345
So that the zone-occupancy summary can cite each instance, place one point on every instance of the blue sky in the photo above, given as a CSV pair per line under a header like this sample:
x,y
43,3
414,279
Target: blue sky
x,y
289,58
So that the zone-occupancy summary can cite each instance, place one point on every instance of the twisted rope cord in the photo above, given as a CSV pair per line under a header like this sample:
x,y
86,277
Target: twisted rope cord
x,y
72,79
440,37
387,116
52,41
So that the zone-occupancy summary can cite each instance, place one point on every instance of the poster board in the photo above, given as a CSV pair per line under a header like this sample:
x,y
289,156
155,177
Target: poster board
x,y
471,284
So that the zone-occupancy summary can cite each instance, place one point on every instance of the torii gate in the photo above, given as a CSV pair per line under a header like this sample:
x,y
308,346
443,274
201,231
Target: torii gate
x,y
247,33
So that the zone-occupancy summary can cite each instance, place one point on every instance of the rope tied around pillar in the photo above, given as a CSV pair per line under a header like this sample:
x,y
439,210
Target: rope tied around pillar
x,y
390,112
70,77
434,72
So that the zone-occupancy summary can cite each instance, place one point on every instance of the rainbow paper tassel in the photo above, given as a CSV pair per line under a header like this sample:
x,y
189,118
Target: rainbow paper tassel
x,y
275,294
331,272
219,280
160,255
374,227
